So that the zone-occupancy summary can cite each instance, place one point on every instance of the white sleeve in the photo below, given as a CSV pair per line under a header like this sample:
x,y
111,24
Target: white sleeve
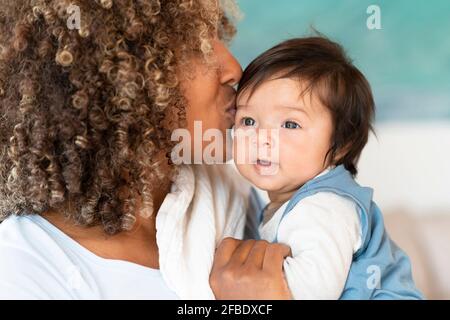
x,y
323,232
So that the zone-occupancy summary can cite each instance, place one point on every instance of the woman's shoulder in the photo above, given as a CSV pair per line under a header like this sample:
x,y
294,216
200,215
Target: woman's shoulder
x,y
26,264
226,186
21,238
18,232
225,177
227,194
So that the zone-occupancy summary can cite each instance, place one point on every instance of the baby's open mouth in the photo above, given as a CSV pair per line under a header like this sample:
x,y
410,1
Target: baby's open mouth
x,y
266,167
264,163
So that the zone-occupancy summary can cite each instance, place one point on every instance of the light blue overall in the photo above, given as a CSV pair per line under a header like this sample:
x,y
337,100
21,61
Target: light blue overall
x,y
379,270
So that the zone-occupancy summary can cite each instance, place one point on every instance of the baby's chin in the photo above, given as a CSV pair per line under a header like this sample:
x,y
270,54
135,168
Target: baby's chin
x,y
269,186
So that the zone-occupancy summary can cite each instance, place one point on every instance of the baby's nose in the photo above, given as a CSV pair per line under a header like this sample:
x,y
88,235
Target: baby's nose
x,y
267,138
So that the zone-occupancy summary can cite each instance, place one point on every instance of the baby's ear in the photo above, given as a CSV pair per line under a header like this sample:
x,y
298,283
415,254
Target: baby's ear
x,y
341,152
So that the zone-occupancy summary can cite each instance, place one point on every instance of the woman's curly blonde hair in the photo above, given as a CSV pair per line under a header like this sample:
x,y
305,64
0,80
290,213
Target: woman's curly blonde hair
x,y
86,114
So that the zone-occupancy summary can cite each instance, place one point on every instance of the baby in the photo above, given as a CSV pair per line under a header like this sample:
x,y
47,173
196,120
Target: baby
x,y
311,110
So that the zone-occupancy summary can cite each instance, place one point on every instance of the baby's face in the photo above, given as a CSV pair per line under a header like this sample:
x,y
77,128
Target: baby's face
x,y
296,137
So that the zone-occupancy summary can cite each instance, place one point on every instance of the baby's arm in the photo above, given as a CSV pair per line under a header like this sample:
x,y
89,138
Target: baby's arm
x,y
323,232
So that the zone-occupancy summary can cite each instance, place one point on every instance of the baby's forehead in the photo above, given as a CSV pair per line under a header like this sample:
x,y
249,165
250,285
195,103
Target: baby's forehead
x,y
279,92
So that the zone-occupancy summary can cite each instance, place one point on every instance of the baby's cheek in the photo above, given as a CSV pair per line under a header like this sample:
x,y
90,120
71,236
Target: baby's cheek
x,y
290,150
238,156
236,151
295,162
240,159
242,150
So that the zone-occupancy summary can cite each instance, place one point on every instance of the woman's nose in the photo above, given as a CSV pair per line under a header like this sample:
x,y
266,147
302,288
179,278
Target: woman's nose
x,y
230,69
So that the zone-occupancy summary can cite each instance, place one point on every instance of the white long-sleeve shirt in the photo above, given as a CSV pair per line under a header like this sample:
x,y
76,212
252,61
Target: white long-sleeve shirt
x,y
323,232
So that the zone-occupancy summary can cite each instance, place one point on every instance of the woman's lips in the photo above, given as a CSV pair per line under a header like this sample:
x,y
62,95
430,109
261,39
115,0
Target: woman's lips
x,y
231,111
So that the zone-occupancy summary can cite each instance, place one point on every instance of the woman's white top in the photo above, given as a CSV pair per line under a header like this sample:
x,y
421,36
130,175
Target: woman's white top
x,y
38,261
206,204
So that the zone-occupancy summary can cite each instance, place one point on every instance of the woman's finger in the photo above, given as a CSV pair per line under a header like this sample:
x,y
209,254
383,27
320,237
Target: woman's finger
x,y
274,257
256,256
225,251
241,253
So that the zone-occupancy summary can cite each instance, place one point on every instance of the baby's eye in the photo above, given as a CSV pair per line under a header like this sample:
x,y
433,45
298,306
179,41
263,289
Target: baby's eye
x,y
246,121
291,125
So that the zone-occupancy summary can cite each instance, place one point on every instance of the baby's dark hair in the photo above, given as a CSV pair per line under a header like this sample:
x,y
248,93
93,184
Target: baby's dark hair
x,y
329,74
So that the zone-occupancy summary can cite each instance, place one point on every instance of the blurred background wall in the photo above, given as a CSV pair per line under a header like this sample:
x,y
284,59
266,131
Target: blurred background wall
x,y
407,62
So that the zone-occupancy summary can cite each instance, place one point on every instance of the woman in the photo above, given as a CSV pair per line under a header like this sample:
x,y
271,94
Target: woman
x,y
92,206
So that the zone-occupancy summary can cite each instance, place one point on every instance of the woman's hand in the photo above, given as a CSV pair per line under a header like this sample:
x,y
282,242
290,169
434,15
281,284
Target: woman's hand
x,y
249,269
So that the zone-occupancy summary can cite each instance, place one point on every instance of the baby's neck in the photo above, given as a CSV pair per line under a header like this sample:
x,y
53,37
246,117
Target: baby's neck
x,y
276,201
278,198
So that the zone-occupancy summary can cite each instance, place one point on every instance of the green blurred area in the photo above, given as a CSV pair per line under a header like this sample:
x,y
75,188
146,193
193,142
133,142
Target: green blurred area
x,y
407,61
